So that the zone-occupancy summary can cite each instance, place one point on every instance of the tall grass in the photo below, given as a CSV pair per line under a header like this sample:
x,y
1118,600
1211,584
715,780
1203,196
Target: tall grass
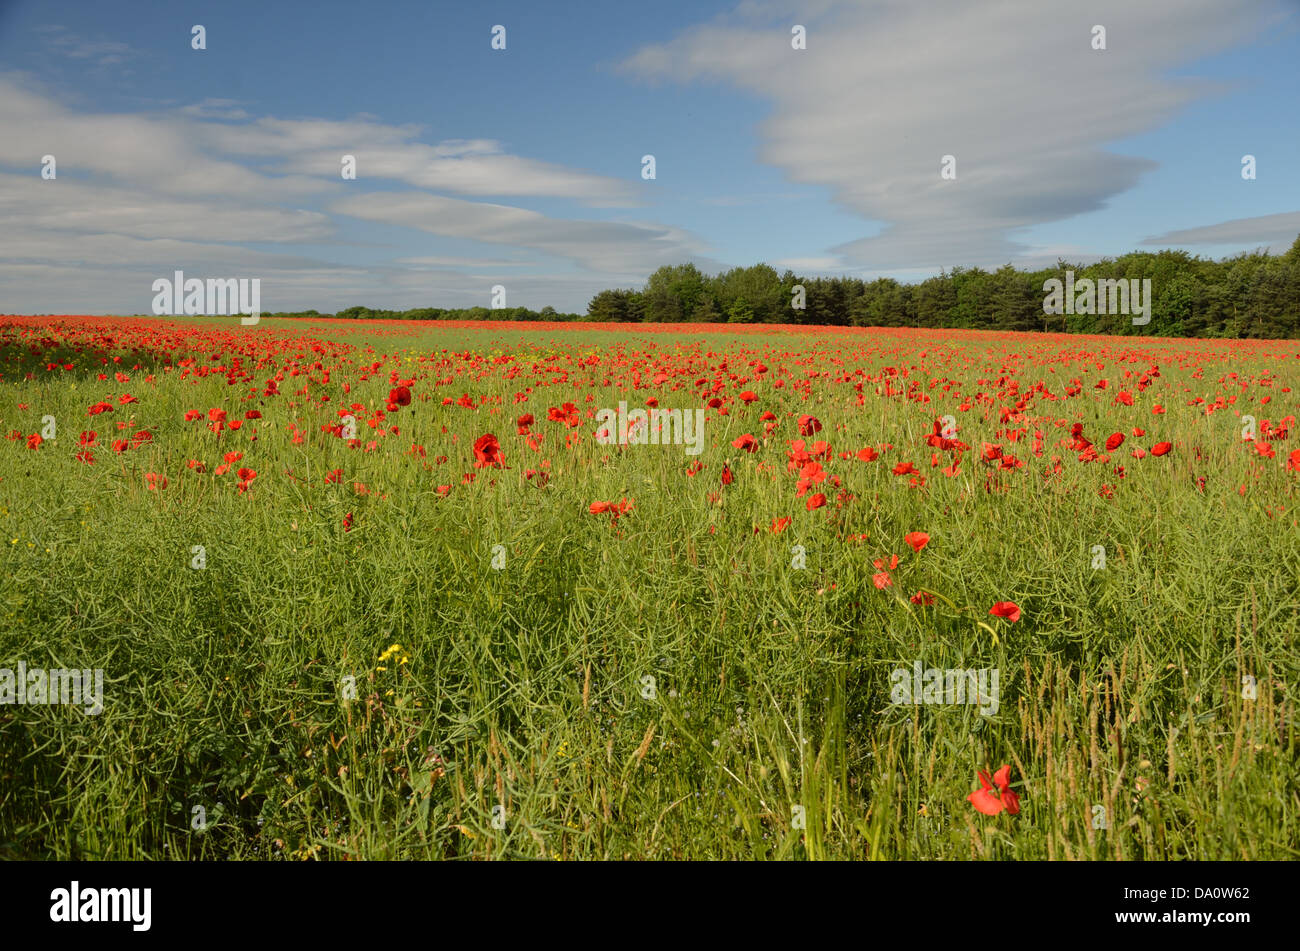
x,y
513,712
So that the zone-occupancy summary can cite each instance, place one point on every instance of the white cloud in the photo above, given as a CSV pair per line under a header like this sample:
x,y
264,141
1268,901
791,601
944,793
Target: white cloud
x,y
617,248
1013,90
215,109
454,262
1277,232
139,195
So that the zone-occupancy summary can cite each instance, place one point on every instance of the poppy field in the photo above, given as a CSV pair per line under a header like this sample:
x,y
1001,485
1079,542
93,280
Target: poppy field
x,y
389,589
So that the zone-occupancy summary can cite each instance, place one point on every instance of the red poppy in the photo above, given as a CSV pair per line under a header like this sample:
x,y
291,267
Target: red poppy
x,y
745,442
917,540
487,452
985,800
1114,441
727,477
1006,609
922,598
809,425
1161,448
400,395
816,502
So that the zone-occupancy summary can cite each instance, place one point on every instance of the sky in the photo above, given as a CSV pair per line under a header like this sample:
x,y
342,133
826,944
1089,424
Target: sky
x,y
523,167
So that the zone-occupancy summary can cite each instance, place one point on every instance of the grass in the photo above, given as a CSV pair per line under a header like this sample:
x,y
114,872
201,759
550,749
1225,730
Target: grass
x,y
665,685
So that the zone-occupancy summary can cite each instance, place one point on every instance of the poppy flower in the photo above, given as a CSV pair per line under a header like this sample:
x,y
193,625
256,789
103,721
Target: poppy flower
x,y
917,540
780,524
985,800
1114,441
98,408
809,425
924,598
1161,448
487,452
1006,609
727,477
400,395
816,502
745,442
34,441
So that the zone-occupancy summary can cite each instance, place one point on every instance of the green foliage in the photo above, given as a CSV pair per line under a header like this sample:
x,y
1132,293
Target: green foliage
x,y
1249,295
523,687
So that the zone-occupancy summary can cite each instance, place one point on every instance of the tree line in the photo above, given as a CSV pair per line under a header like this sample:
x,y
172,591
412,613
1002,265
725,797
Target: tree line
x,y
1253,294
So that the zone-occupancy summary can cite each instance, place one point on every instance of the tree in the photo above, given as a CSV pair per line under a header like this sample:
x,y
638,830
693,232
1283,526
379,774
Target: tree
x,y
740,312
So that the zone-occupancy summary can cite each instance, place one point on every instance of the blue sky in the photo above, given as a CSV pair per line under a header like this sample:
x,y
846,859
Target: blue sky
x,y
522,167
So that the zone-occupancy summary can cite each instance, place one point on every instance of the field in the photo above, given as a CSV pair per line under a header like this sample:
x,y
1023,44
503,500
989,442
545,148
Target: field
x,y
386,636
